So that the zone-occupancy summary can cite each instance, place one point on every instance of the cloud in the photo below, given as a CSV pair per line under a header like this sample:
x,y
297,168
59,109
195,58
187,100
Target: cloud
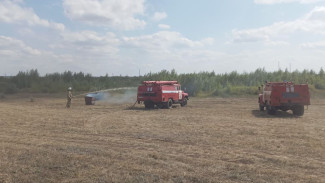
x,y
11,12
88,43
320,45
168,50
313,22
159,16
119,14
317,14
164,26
165,41
15,55
11,47
286,1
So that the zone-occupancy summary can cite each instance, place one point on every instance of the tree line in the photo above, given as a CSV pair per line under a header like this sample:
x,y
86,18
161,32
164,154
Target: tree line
x,y
196,84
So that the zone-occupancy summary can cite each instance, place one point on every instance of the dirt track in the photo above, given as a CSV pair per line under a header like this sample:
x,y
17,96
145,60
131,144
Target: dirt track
x,y
210,140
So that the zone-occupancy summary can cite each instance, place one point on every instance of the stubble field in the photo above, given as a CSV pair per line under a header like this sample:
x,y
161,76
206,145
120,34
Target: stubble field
x,y
210,140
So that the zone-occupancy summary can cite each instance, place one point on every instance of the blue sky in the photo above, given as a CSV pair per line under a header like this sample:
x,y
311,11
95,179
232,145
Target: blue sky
x,y
121,37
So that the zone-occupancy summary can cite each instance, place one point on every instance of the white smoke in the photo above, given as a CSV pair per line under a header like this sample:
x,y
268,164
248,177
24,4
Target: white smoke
x,y
117,95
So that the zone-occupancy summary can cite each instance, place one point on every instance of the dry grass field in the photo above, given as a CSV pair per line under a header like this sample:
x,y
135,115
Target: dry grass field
x,y
210,140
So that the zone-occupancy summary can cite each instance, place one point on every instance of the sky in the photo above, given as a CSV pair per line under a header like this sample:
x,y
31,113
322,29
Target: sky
x,y
128,37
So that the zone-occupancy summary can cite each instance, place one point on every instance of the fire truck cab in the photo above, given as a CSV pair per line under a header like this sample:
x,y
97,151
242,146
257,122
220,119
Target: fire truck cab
x,y
163,94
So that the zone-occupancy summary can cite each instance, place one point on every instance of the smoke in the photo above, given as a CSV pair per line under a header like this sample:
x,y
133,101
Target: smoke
x,y
115,95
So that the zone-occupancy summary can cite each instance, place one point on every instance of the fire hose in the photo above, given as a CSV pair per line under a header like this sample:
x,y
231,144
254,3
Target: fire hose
x,y
132,106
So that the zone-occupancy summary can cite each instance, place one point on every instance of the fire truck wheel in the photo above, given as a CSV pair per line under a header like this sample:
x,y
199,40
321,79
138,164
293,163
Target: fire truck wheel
x,y
261,107
160,106
184,103
270,110
169,103
298,110
285,109
149,105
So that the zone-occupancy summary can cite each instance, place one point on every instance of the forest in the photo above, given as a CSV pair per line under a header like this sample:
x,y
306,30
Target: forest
x,y
200,84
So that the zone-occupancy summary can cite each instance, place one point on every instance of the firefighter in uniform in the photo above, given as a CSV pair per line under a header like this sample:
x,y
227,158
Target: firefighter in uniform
x,y
69,97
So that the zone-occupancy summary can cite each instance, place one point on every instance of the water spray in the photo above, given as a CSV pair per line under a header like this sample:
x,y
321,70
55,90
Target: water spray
x,y
105,90
104,95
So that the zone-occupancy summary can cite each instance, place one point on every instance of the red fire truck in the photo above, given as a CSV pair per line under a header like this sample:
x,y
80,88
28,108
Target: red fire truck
x,y
284,96
163,94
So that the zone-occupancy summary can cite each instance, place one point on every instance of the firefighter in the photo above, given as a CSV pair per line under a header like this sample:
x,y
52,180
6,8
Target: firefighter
x,y
69,97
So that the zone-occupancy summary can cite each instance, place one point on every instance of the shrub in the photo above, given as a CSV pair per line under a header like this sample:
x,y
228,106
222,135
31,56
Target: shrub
x,y
11,89
320,85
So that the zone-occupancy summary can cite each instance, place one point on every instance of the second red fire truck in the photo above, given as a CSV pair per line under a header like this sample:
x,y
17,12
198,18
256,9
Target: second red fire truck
x,y
284,96
162,94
